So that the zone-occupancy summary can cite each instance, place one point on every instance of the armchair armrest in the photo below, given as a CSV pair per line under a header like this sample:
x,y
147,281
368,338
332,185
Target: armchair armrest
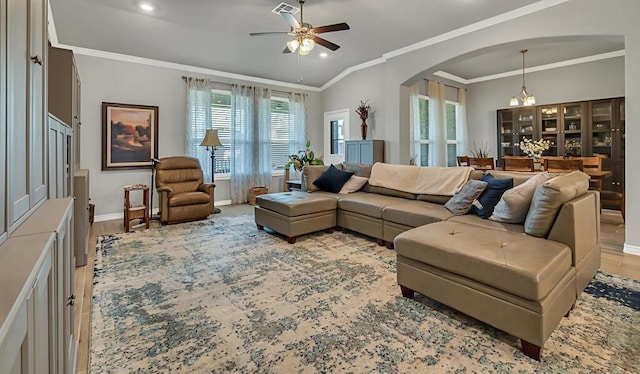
x,y
206,187
165,189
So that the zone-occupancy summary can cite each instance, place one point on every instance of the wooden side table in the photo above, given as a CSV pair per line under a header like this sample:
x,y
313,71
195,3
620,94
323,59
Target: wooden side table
x,y
136,211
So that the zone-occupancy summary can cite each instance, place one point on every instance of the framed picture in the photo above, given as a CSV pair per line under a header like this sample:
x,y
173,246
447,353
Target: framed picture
x,y
129,136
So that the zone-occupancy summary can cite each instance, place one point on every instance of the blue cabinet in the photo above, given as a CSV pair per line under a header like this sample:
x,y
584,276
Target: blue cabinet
x,y
364,151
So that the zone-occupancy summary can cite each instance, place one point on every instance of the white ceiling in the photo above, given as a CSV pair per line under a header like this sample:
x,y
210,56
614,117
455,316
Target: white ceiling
x,y
214,34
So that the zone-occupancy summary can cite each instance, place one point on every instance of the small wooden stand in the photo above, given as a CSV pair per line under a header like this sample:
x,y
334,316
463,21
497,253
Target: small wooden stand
x,y
136,211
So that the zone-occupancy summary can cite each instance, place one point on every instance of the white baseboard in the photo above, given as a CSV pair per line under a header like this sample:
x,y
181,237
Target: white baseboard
x,y
222,202
631,249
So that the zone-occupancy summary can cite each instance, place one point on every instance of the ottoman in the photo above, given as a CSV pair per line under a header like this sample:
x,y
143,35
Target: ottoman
x,y
295,213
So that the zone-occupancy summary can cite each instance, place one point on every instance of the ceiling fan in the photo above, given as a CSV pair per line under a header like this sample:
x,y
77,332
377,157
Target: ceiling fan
x,y
305,35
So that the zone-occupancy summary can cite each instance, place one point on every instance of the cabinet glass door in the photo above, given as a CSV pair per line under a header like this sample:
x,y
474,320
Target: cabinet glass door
x,y
526,124
601,128
572,129
507,132
621,130
549,128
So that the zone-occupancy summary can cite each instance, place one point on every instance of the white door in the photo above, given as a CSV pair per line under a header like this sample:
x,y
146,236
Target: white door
x,y
336,131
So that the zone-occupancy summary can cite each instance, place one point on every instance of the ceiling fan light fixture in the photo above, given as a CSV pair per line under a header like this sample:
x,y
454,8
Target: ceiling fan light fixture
x,y
308,43
523,98
293,45
303,51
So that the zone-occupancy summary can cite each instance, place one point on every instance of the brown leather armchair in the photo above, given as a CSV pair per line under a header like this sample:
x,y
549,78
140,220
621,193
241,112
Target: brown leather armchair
x,y
183,196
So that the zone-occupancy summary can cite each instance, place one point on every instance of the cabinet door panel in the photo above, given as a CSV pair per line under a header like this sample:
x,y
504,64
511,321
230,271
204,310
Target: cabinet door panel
x,y
3,118
352,153
366,153
37,107
17,142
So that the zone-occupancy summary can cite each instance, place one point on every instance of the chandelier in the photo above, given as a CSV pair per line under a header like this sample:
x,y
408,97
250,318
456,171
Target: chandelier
x,y
523,98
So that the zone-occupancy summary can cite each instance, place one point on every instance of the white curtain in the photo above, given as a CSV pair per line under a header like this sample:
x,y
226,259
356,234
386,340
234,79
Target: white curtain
x,y
414,120
297,122
199,121
437,125
462,135
251,140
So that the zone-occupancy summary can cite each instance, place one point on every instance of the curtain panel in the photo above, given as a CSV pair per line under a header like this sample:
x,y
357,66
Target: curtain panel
x,y
198,121
298,122
250,140
437,124
462,134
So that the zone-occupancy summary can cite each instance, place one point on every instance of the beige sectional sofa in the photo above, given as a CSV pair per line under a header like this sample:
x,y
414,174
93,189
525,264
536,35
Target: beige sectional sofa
x,y
492,271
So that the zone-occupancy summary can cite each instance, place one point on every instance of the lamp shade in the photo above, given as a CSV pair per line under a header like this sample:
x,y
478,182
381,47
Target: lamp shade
x,y
211,139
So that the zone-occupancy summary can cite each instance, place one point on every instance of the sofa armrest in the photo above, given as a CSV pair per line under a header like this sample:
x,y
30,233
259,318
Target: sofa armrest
x,y
578,225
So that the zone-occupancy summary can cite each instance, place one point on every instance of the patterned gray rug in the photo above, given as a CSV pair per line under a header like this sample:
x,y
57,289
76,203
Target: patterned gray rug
x,y
220,296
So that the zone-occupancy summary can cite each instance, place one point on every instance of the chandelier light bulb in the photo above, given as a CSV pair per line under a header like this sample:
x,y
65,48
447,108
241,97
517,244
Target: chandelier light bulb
x,y
303,51
308,44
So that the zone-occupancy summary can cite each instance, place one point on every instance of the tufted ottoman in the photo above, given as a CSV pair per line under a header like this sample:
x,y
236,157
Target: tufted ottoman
x,y
295,213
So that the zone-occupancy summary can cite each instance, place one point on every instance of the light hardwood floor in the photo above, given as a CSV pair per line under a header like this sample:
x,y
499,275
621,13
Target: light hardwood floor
x,y
613,262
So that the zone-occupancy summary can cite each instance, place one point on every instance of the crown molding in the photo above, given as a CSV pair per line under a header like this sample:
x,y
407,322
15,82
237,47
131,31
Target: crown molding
x,y
555,65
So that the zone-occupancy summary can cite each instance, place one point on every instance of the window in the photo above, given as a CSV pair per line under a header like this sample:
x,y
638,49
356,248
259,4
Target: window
x,y
220,111
452,142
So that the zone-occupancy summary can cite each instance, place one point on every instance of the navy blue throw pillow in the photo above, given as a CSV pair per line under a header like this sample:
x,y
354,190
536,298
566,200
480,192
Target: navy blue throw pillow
x,y
333,179
492,194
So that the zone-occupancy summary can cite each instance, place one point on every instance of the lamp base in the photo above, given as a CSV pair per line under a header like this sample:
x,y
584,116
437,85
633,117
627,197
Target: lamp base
x,y
216,210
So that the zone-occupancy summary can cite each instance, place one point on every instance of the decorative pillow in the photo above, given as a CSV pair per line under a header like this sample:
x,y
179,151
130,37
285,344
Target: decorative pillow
x,y
549,197
360,170
491,195
514,204
333,179
353,184
462,200
313,172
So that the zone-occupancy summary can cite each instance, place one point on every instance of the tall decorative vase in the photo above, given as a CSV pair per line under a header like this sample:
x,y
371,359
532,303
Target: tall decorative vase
x,y
364,129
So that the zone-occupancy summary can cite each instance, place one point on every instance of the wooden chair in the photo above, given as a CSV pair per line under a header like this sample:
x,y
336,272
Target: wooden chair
x,y
562,165
593,163
613,199
463,160
518,164
481,163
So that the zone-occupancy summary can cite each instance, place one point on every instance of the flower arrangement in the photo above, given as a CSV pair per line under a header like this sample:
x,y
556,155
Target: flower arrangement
x,y
534,148
480,151
363,109
306,157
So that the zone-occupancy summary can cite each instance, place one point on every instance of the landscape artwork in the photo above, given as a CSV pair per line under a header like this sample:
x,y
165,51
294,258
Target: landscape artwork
x,y
130,136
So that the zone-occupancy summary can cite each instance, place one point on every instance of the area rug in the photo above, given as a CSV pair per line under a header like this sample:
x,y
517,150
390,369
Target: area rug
x,y
220,296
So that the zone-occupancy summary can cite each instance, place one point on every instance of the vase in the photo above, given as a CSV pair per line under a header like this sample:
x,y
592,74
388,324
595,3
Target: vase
x,y
363,127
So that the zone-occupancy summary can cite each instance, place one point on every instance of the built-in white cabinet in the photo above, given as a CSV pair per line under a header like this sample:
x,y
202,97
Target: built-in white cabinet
x,y
61,158
364,151
81,216
38,274
25,92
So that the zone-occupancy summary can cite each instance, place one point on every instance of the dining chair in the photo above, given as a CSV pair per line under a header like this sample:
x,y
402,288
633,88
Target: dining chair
x,y
562,165
481,163
593,163
613,200
518,164
463,160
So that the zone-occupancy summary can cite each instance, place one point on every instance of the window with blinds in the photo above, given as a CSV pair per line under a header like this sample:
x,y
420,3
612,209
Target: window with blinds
x,y
221,121
452,142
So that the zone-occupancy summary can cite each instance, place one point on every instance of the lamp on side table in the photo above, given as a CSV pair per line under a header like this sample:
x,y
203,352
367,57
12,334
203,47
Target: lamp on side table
x,y
211,141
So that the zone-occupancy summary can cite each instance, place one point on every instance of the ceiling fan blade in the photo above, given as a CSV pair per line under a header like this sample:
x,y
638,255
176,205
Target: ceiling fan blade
x,y
286,50
268,33
325,43
330,28
291,20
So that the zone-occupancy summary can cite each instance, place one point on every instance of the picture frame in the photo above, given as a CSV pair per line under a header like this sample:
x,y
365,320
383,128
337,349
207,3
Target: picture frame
x,y
129,136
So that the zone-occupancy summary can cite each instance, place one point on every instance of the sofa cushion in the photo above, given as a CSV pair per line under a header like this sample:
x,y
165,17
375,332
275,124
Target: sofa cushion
x,y
472,219
389,192
297,203
438,199
415,213
333,179
313,172
462,200
368,204
354,184
491,195
515,202
549,197
189,198
519,264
